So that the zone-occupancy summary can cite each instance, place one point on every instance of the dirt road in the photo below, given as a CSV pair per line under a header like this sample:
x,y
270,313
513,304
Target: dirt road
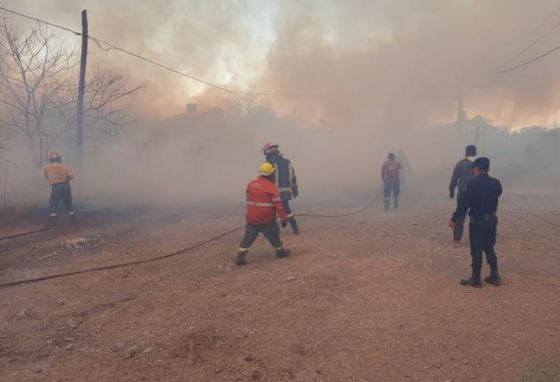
x,y
373,297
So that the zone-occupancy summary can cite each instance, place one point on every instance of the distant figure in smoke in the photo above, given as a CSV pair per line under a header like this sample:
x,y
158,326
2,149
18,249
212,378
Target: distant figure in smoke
x,y
481,200
285,179
406,169
263,206
391,181
59,176
462,174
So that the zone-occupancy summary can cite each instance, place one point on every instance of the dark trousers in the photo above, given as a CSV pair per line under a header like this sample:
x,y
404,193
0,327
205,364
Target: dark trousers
x,y
61,193
286,205
291,217
394,188
460,222
482,231
391,187
270,230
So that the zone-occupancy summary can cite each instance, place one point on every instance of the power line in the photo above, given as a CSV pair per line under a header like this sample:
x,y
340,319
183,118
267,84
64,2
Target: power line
x,y
545,20
145,59
41,21
534,42
150,61
530,61
543,35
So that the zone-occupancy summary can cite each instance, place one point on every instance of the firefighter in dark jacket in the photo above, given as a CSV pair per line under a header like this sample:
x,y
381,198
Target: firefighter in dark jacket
x,y
59,177
263,206
481,201
462,174
285,179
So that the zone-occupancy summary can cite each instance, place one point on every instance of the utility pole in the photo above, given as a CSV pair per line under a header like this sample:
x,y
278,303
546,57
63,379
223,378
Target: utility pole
x,y
81,88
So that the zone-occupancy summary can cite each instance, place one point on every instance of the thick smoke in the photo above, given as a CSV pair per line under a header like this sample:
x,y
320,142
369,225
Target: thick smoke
x,y
357,79
358,61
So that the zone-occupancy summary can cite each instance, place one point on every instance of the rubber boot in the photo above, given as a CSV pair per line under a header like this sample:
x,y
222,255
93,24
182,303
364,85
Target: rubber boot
x,y
386,204
494,277
240,259
294,225
396,204
282,253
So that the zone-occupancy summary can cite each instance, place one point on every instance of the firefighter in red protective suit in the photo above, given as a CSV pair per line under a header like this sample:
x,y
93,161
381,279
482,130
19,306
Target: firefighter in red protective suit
x,y
263,206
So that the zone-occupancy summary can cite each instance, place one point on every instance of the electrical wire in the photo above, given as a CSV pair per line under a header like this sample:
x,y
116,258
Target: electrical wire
x,y
511,69
41,21
534,42
114,47
110,46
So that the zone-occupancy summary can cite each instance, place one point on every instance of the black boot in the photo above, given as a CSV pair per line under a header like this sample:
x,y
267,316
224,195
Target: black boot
x,y
386,205
494,277
474,282
282,252
294,225
396,204
240,259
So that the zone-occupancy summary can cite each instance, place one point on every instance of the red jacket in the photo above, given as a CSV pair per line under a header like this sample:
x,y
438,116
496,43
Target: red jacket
x,y
390,171
263,202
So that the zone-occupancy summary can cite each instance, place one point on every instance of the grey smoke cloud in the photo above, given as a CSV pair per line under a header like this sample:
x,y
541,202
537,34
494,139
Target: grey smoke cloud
x,y
363,78
392,62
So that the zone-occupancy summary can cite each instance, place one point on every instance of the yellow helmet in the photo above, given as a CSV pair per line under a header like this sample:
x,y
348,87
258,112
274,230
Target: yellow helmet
x,y
266,169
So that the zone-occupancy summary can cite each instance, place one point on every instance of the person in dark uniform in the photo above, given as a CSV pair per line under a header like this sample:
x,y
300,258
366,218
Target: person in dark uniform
x,y
462,174
481,201
285,179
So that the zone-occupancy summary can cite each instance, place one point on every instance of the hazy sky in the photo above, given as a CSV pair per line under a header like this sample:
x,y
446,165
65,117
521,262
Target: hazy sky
x,y
356,62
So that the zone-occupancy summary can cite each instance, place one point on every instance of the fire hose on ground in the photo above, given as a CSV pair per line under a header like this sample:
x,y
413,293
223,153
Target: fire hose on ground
x,y
165,256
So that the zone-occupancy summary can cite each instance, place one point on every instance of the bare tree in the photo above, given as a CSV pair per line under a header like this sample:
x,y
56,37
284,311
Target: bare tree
x,y
38,91
104,111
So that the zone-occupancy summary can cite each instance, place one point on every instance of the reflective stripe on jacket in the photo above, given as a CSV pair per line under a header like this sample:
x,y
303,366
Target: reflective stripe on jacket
x,y
263,202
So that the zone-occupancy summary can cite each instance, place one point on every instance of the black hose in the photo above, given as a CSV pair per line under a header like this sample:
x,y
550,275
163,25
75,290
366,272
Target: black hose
x,y
24,233
357,212
166,256
121,265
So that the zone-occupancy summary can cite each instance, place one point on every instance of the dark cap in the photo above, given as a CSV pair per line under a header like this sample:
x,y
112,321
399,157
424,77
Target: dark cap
x,y
482,163
470,150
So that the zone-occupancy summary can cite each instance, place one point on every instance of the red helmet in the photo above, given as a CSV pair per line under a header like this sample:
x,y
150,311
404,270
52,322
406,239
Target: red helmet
x,y
269,146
